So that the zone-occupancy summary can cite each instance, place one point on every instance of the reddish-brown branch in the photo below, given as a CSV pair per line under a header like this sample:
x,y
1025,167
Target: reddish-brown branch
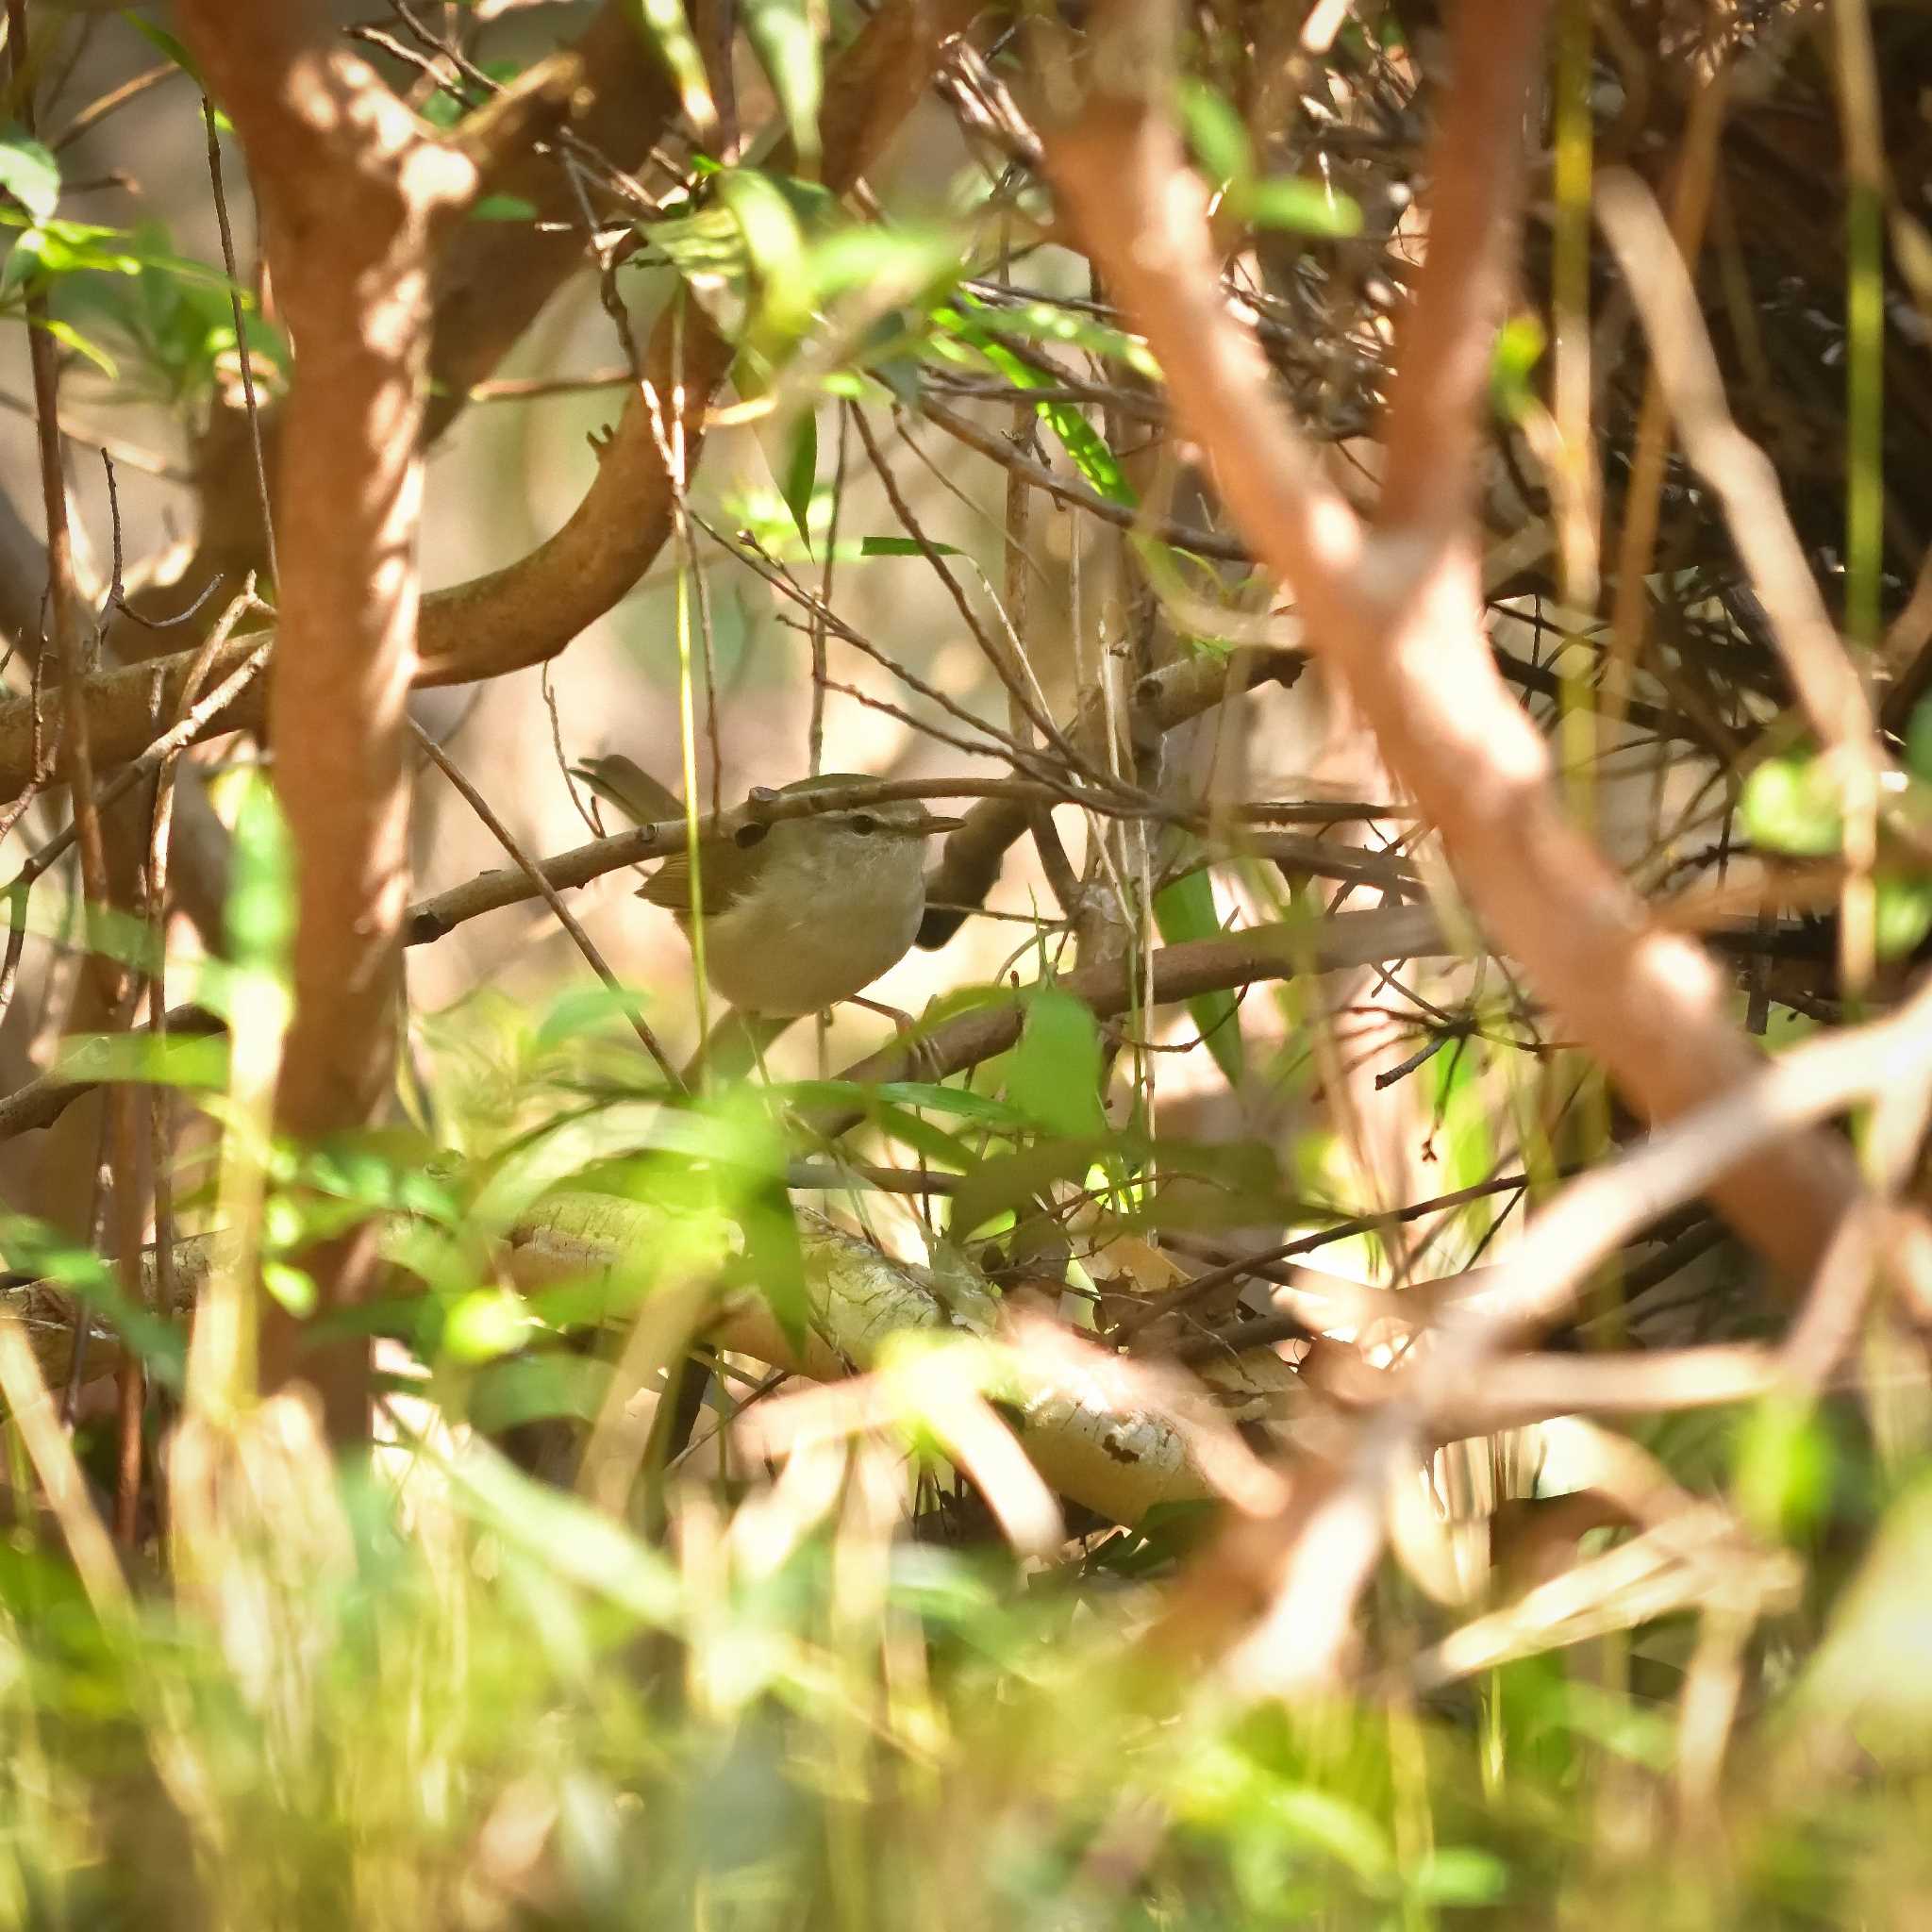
x,y
351,194
1397,610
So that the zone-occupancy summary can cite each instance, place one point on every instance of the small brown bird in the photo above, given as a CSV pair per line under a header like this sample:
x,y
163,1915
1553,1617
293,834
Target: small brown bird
x,y
799,914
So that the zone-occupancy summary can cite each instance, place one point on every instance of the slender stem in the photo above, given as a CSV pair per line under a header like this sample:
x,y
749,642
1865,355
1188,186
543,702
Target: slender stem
x,y
550,895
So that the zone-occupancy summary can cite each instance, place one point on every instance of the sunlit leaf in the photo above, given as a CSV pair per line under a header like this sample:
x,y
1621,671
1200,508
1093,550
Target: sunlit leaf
x,y
785,36
1055,1071
29,172
67,334
1519,348
1789,805
261,900
492,1322
665,24
1901,916
1784,1466
1082,441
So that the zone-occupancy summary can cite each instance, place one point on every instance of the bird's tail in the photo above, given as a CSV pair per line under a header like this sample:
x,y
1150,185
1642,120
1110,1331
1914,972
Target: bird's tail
x,y
625,784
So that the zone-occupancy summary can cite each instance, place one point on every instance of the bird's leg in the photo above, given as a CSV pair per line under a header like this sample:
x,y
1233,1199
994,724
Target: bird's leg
x,y
918,1052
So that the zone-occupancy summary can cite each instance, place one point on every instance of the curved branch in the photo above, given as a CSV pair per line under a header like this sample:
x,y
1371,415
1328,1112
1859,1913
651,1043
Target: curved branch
x,y
532,610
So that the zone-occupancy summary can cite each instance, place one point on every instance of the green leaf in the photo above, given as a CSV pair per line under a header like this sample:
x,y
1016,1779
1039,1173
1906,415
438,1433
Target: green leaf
x,y
979,1108
65,332
1082,441
1217,133
1519,348
179,1060
1873,1667
1055,1073
784,35
29,172
169,48
1307,207
1005,1184
1346,1832
1185,910
1901,916
504,207
1918,738
570,1537
1042,322
903,546
1789,805
294,1287
774,241
1460,1875
664,23
1782,1466
490,1322
802,474
261,900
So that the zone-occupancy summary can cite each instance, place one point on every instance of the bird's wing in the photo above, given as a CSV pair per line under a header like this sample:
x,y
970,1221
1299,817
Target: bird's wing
x,y
724,875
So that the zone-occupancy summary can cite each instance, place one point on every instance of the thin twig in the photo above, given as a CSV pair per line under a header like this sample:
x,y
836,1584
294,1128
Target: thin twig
x,y
550,896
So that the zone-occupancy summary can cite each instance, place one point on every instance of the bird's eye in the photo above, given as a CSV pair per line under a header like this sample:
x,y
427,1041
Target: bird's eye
x,y
747,835
863,822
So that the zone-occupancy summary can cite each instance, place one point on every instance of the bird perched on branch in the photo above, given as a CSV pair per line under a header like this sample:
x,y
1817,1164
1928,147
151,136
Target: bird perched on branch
x,y
798,914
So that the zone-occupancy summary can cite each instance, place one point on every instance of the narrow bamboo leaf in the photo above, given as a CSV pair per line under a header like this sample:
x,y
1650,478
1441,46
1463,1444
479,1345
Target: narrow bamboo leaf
x,y
1082,441
902,547
802,474
1217,133
169,48
1185,910
65,332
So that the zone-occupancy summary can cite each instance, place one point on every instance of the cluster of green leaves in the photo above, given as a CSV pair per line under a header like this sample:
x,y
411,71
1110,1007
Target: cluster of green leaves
x,y
171,317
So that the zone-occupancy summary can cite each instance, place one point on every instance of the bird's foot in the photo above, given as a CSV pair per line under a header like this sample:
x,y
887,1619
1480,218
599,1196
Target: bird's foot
x,y
921,1057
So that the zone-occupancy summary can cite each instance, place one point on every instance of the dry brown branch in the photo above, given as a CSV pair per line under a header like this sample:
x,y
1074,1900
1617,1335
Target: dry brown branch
x,y
1113,986
1735,467
1598,1212
352,195
1397,610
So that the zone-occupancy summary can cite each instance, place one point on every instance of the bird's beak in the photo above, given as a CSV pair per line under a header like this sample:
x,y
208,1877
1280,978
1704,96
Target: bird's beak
x,y
935,823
